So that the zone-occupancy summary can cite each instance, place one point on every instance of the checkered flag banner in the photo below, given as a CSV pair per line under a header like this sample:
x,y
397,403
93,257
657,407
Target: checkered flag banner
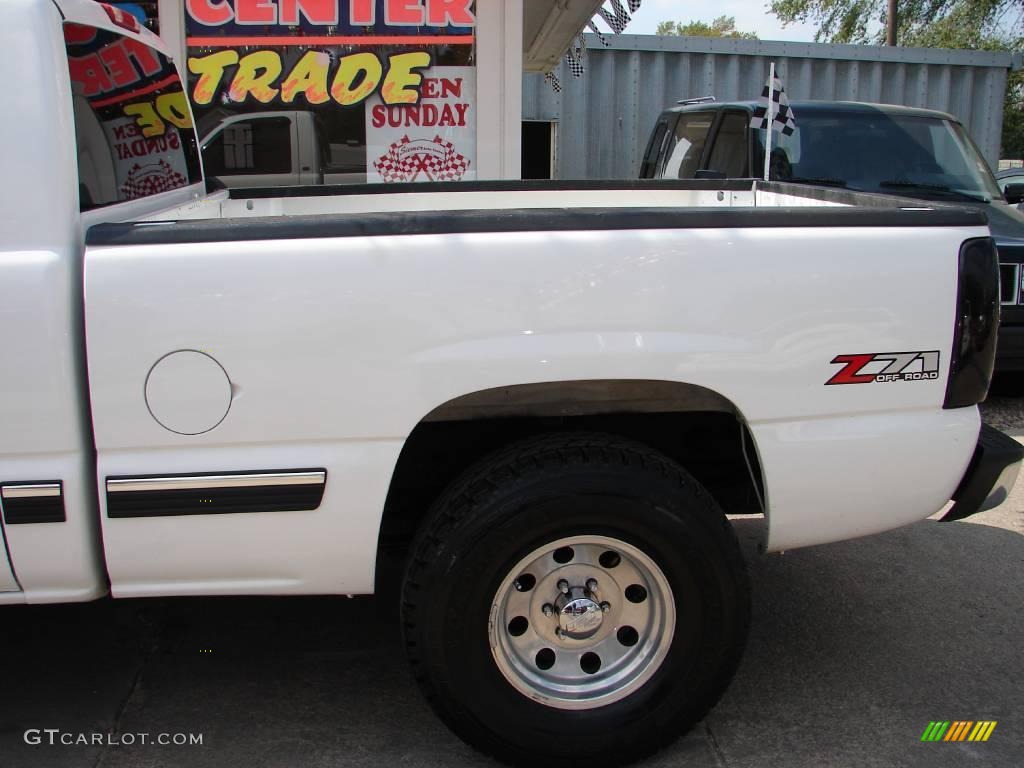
x,y
617,18
574,56
600,35
552,79
774,95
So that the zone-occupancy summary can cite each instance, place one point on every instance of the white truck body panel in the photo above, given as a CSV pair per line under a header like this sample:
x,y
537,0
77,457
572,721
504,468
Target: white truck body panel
x,y
348,379
43,411
44,417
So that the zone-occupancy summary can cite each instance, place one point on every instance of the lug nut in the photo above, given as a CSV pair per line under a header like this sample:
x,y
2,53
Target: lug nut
x,y
563,586
606,606
548,609
591,584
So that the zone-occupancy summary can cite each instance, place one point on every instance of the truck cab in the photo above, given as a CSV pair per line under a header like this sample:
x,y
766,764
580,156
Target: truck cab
x,y
878,148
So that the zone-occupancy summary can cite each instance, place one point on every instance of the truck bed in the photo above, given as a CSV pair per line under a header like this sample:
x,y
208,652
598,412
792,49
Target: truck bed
x,y
345,317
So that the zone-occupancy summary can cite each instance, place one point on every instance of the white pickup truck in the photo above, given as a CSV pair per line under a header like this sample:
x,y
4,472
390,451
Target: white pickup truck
x,y
545,398
280,148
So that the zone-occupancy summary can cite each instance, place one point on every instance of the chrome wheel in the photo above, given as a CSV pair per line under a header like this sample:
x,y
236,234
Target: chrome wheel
x,y
582,622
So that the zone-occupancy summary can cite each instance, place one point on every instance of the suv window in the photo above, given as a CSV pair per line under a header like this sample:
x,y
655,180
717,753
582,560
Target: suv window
x,y
261,145
879,151
649,166
133,128
686,145
729,153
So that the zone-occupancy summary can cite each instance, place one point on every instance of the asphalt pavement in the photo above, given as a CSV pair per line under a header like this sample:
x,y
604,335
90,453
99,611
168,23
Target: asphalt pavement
x,y
855,647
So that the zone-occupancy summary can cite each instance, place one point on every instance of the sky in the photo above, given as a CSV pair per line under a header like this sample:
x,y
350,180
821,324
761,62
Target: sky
x,y
751,16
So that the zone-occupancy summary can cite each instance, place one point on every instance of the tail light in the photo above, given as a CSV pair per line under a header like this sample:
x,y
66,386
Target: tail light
x,y
977,324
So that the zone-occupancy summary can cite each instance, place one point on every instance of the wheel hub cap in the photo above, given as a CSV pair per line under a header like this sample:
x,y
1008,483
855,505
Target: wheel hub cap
x,y
580,617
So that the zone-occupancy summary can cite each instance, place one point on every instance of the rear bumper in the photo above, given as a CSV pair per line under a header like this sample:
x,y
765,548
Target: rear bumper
x,y
990,475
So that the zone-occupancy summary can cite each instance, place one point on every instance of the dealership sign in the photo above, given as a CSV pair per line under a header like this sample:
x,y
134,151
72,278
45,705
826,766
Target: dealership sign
x,y
317,76
434,140
378,56
333,13
274,51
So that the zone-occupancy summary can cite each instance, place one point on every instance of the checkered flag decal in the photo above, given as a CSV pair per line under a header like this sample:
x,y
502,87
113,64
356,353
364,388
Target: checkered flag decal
x,y
783,120
452,166
392,167
406,159
552,79
151,179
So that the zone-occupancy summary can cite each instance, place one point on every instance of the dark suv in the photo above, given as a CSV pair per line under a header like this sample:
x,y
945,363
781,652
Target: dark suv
x,y
877,148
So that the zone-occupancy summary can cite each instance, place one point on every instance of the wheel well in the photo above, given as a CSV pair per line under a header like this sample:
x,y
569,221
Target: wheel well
x,y
693,425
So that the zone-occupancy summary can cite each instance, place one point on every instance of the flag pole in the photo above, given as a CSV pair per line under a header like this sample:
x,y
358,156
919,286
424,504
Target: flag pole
x,y
771,121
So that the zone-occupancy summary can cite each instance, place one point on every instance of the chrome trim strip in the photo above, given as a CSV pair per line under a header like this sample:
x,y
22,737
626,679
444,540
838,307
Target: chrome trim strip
x,y
204,482
36,491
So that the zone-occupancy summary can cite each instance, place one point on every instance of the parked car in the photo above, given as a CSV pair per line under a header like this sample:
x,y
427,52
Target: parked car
x,y
878,148
540,400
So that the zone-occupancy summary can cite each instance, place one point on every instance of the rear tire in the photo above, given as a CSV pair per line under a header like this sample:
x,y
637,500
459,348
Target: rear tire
x,y
575,597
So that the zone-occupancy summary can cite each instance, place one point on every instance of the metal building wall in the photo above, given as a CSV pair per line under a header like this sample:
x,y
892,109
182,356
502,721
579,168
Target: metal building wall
x,y
605,117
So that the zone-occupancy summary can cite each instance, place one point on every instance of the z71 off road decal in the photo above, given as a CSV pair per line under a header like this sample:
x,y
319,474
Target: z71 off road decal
x,y
885,366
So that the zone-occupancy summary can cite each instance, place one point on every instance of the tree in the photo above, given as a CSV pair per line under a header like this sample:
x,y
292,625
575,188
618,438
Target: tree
x,y
974,24
931,23
723,26
1012,139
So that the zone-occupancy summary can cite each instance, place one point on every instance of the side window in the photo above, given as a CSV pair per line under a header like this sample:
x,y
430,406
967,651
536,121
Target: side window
x,y
133,128
729,153
687,145
650,162
262,145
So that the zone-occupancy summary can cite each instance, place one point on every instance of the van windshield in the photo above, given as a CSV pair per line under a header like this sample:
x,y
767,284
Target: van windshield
x,y
923,157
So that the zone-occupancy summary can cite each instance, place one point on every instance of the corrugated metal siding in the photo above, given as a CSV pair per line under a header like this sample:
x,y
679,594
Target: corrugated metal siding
x,y
605,117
